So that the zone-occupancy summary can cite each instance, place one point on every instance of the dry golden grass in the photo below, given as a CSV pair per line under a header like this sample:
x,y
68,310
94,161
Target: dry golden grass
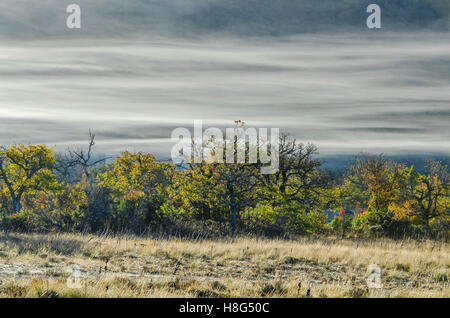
x,y
39,266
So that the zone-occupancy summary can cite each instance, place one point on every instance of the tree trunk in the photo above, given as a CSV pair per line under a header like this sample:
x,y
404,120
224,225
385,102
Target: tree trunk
x,y
233,214
233,220
233,205
17,205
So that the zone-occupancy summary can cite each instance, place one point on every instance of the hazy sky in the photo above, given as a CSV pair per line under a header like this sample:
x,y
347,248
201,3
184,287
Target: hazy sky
x,y
137,69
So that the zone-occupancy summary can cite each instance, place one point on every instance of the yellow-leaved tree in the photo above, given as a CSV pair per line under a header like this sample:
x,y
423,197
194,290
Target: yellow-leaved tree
x,y
137,182
427,195
136,175
26,169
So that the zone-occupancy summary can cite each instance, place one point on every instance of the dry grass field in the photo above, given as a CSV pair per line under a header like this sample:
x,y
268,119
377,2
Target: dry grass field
x,y
40,265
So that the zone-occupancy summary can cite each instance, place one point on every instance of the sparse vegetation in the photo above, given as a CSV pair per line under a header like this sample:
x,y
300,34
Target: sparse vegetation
x,y
35,265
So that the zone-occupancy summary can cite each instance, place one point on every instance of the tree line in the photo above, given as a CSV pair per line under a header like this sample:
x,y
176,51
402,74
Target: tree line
x,y
76,191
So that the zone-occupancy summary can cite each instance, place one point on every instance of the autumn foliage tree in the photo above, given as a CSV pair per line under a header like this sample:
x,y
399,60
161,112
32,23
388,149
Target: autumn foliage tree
x,y
137,182
219,191
26,169
373,182
426,195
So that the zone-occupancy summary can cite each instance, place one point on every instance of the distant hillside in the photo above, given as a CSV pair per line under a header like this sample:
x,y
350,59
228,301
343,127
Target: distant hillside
x,y
340,162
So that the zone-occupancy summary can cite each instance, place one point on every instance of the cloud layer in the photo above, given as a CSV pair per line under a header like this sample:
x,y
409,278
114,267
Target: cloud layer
x,y
137,69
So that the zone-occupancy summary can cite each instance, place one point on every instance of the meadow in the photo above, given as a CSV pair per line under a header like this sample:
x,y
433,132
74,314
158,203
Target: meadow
x,y
40,265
